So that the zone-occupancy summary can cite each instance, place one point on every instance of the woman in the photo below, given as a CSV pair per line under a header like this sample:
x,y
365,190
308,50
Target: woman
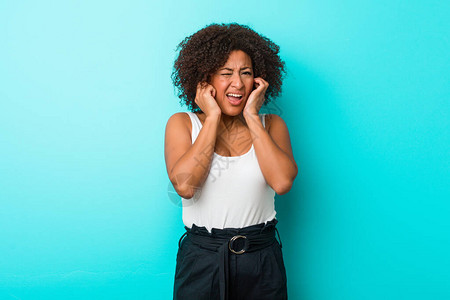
x,y
227,161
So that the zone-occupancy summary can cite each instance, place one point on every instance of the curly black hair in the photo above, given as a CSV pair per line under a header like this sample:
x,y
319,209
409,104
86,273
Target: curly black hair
x,y
204,52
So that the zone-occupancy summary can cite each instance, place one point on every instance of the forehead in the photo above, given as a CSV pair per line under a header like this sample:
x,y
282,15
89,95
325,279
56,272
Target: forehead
x,y
238,58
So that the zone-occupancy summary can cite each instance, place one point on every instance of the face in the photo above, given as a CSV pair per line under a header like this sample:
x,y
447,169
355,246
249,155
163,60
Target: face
x,y
233,83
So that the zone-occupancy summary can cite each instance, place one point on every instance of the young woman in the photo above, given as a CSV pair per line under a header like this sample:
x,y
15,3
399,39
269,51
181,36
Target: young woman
x,y
227,161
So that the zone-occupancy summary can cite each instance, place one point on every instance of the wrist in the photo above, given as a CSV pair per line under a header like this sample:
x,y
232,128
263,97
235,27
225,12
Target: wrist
x,y
250,114
213,118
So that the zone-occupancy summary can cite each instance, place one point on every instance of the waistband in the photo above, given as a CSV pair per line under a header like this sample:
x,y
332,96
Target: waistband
x,y
228,241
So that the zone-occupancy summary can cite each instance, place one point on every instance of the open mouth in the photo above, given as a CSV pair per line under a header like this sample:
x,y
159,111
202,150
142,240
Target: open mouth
x,y
235,99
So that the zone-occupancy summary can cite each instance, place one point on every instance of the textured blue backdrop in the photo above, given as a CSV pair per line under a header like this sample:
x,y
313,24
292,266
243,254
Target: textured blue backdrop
x,y
85,91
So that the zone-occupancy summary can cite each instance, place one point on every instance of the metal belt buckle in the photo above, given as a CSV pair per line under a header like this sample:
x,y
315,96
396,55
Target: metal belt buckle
x,y
235,238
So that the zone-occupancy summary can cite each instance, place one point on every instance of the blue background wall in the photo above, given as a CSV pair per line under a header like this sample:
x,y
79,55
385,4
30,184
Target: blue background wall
x,y
86,209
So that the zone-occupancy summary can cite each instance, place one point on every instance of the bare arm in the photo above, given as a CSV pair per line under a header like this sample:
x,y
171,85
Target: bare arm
x,y
273,148
188,164
274,152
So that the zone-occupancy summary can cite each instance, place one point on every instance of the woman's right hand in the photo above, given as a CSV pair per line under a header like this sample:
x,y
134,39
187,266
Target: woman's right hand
x,y
205,99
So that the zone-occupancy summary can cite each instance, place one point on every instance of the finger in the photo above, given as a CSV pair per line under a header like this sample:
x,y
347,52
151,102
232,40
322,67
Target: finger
x,y
199,87
259,84
263,84
261,81
202,85
213,90
208,90
204,89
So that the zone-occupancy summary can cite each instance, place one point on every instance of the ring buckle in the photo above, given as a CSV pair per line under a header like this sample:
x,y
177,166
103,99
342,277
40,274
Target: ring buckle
x,y
235,238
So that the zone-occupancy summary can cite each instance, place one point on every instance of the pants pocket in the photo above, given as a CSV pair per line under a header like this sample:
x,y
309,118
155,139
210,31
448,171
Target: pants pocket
x,y
278,253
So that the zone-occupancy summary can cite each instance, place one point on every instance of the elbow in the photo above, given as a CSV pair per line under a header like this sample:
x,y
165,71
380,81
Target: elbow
x,y
283,188
185,194
183,185
185,191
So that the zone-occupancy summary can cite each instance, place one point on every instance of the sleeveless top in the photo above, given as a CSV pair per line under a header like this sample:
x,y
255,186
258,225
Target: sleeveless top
x,y
235,193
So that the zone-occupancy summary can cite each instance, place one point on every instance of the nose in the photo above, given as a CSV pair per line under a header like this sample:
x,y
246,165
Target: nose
x,y
236,81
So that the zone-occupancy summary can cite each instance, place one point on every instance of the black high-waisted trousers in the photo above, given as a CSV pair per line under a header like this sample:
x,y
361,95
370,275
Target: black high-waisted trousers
x,y
230,264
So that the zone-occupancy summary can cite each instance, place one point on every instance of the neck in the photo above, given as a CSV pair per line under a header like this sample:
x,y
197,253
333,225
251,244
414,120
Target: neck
x,y
230,122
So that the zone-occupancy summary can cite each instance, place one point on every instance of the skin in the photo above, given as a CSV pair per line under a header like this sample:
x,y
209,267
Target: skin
x,y
225,127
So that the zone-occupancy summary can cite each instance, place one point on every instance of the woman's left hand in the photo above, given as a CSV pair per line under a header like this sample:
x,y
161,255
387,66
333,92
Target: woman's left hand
x,y
257,97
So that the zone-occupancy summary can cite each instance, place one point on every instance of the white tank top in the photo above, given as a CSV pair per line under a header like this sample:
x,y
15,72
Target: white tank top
x,y
235,193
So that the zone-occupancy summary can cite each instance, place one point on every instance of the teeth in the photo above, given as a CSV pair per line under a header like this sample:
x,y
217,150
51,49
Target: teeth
x,y
234,95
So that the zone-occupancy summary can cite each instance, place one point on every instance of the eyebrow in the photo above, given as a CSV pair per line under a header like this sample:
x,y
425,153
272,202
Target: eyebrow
x,y
229,69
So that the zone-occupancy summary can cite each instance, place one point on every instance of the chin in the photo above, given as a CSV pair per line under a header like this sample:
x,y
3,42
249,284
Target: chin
x,y
233,111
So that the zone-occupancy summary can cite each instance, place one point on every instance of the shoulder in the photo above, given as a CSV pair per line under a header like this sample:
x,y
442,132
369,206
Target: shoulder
x,y
179,121
273,121
179,117
278,131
